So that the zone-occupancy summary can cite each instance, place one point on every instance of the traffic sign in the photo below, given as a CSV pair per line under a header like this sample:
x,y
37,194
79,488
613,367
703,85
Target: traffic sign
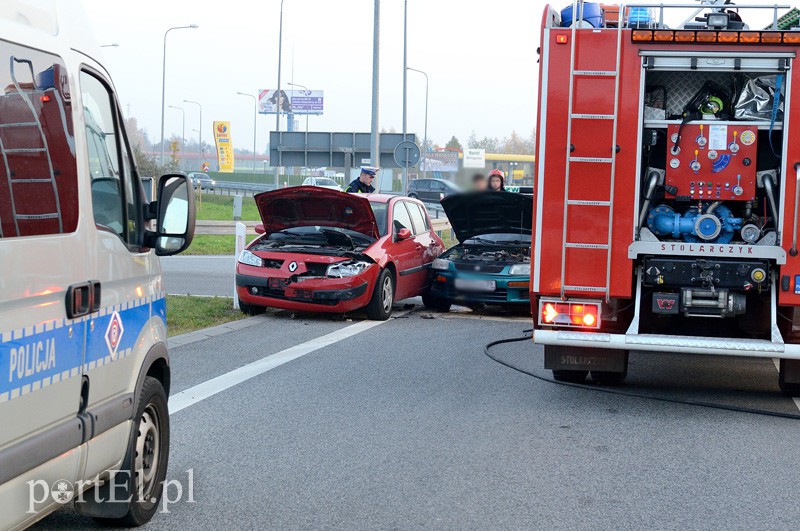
x,y
406,154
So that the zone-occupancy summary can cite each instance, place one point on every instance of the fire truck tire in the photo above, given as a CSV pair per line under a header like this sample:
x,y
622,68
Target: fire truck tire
x,y
789,368
570,376
609,378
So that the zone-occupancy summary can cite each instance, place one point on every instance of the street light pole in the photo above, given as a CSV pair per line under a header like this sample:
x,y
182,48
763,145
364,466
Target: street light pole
x,y
404,183
376,37
183,120
425,142
255,117
200,131
164,83
278,90
308,91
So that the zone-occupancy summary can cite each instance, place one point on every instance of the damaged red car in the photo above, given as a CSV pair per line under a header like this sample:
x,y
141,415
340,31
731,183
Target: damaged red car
x,y
327,251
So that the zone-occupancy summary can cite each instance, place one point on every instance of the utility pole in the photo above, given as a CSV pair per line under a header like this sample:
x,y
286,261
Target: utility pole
x,y
404,183
375,147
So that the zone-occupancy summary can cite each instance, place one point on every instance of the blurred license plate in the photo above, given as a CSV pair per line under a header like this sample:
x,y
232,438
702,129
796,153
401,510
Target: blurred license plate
x,y
475,285
278,283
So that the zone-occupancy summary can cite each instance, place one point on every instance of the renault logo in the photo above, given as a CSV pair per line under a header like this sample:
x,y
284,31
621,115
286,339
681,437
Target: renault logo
x,y
293,267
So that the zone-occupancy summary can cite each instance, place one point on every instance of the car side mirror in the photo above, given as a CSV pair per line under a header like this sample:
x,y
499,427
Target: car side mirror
x,y
260,228
175,215
403,234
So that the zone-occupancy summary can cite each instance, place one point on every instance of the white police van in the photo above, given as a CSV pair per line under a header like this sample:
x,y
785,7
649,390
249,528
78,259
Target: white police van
x,y
84,370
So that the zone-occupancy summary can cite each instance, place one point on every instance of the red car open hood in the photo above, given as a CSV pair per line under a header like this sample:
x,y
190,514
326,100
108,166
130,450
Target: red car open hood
x,y
305,206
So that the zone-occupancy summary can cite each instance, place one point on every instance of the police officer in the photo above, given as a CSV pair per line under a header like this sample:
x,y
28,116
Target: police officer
x,y
363,185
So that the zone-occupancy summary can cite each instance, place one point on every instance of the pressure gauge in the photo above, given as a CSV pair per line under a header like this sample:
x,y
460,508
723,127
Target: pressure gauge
x,y
674,163
695,166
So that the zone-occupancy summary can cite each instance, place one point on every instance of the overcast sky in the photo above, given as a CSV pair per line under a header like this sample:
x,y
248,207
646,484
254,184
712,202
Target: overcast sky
x,y
480,57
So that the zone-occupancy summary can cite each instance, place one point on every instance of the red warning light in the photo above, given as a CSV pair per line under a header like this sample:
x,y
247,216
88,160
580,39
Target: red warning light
x,y
45,98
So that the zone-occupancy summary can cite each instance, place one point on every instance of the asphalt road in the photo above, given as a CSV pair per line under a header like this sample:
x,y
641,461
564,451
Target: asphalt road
x,y
407,424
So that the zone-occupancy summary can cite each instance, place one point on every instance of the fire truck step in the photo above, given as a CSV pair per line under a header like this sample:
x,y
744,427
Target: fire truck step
x,y
575,245
26,181
582,202
54,215
592,159
596,73
18,124
593,116
26,150
596,289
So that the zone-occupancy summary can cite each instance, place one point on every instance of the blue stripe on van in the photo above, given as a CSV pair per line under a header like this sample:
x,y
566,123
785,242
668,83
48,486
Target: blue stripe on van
x,y
45,354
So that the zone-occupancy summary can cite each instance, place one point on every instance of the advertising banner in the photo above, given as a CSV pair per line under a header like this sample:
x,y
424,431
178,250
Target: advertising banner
x,y
439,161
474,158
291,101
222,139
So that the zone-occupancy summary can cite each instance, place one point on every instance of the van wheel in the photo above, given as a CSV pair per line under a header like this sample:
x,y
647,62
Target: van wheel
x,y
432,302
251,309
380,305
570,376
147,457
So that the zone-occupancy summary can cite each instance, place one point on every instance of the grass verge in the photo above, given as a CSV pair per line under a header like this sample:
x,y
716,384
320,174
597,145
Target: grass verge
x,y
186,313
220,208
214,244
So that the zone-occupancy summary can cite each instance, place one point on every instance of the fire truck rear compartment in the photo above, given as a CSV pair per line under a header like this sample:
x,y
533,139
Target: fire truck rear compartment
x,y
708,177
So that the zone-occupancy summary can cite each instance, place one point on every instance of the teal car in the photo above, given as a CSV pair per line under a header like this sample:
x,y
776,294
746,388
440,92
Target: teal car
x,y
491,264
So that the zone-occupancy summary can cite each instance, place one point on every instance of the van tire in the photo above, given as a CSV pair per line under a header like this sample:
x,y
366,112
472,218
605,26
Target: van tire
x,y
380,305
150,440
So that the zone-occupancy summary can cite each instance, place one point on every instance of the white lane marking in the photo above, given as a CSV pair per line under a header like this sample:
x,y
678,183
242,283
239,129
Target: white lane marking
x,y
195,394
777,363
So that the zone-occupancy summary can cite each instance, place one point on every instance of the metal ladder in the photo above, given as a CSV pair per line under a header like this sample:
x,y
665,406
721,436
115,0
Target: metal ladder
x,y
612,160
51,179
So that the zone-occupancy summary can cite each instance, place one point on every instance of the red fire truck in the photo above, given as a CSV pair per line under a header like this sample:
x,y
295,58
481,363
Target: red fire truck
x,y
667,182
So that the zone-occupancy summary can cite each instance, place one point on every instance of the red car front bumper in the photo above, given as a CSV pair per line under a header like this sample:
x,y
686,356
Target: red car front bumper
x,y
329,295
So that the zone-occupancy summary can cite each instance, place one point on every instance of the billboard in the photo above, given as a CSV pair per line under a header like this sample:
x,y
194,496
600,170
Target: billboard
x,y
222,139
291,101
474,158
439,161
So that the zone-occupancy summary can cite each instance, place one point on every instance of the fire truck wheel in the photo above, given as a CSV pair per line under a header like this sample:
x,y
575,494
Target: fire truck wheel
x,y
788,388
609,378
570,376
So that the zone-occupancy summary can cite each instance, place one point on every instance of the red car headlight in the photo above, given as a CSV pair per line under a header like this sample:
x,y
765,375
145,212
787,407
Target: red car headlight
x,y
347,269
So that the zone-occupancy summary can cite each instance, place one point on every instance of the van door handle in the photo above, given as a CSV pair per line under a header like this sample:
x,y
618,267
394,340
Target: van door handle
x,y
83,299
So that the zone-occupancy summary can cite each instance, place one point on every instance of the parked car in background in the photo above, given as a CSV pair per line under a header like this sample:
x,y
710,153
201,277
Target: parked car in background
x,y
492,262
323,182
202,181
432,190
327,251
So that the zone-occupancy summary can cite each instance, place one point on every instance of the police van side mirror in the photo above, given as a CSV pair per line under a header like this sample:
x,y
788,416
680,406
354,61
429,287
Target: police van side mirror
x,y
174,214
